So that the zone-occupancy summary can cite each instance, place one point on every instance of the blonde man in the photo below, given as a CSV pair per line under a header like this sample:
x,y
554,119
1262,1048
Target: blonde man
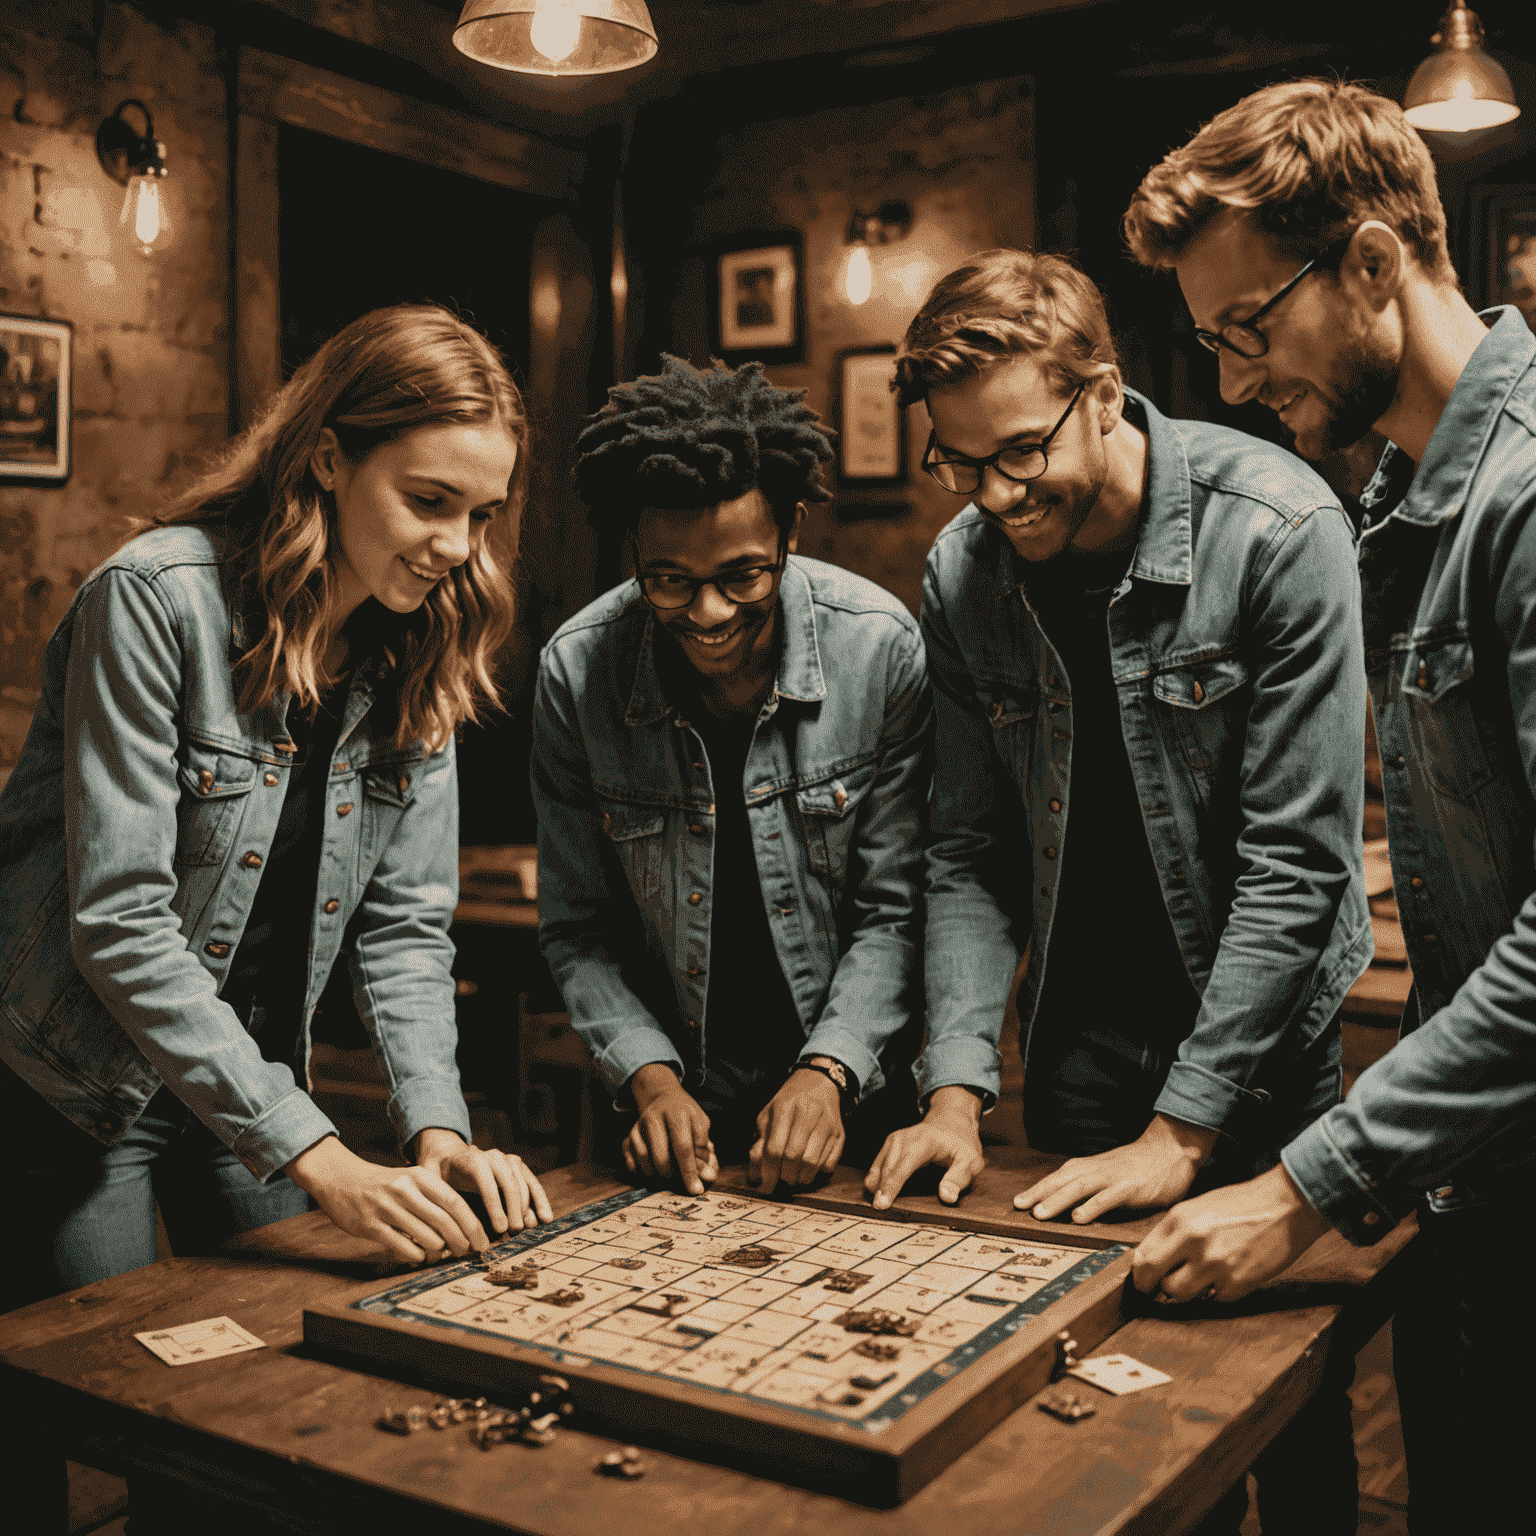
x,y
1307,235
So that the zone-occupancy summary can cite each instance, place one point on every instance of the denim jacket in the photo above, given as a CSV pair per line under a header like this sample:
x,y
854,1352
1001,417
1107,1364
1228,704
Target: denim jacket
x,y
1235,646
1449,582
132,833
835,782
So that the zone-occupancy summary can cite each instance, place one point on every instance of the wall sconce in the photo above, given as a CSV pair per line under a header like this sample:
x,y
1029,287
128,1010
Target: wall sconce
x,y
556,37
891,221
136,161
1459,88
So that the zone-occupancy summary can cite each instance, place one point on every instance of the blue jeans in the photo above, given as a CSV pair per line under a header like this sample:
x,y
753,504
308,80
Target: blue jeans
x,y
87,1211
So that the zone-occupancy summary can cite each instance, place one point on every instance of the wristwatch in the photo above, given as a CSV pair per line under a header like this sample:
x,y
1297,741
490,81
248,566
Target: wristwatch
x,y
838,1075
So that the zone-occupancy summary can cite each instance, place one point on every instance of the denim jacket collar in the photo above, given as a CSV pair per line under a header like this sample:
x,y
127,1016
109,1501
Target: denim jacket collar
x,y
1441,482
1165,544
800,675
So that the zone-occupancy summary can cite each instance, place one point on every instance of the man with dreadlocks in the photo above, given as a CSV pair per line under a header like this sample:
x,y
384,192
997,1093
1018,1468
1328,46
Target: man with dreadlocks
x,y
730,766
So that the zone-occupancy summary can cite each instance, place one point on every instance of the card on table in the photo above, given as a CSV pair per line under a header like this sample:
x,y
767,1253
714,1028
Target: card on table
x,y
1119,1374
206,1340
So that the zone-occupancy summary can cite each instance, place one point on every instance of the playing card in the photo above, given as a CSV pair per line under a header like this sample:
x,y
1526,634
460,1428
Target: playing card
x,y
206,1340
1119,1374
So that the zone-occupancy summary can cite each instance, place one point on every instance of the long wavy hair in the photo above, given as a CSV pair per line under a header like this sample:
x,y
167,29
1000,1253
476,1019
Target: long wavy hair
x,y
384,375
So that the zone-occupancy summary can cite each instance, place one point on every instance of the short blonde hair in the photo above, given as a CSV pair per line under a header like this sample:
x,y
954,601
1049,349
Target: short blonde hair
x,y
999,304
1311,160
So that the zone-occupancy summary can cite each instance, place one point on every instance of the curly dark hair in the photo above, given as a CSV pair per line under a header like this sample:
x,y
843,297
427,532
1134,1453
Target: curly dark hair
x,y
689,438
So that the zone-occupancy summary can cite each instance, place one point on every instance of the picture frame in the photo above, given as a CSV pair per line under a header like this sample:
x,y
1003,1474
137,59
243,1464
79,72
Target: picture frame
x,y
1502,258
36,361
872,426
757,300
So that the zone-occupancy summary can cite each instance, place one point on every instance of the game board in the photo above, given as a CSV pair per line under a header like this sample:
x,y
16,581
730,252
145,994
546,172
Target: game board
x,y
743,1308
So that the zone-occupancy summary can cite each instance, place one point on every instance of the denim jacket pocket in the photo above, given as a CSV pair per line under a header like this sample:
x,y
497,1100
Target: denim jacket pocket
x,y
214,787
636,832
828,812
1010,709
1442,715
386,795
1194,689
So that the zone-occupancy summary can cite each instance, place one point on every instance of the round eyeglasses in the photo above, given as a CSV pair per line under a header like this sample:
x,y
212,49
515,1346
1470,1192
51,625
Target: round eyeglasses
x,y
1243,336
668,591
1023,461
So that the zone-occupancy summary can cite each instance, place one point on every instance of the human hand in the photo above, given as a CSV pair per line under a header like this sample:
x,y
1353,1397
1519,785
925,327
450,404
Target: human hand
x,y
799,1133
672,1130
514,1198
948,1134
1222,1245
1154,1170
413,1212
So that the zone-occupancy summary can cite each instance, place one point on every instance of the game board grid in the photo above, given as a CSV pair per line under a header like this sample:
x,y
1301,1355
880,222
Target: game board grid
x,y
841,1247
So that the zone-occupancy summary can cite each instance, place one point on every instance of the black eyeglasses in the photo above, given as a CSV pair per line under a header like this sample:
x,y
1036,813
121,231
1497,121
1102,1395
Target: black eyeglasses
x,y
668,590
1243,336
1027,461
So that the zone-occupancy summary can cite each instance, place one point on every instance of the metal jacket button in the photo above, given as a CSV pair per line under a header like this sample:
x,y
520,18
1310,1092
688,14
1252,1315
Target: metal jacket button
x,y
693,1023
997,710
695,970
1199,694
1445,1192
251,860
405,783
344,810
205,781
1058,735
1417,882
695,897
1055,805
839,797
1423,677
1399,760
269,779
1370,1218
1050,853
332,904
1053,681
695,828
217,950
287,748
341,767
607,821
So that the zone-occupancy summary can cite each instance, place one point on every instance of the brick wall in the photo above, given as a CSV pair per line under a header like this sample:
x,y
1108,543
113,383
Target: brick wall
x,y
151,363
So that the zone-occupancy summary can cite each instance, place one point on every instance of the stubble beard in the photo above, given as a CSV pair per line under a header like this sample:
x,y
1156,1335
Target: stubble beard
x,y
1365,384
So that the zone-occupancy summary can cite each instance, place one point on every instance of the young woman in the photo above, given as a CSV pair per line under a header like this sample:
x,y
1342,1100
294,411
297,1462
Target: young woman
x,y
241,768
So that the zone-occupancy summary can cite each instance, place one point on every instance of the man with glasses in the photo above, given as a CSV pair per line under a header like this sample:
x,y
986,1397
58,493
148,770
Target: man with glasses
x,y
1151,715
1381,336
731,758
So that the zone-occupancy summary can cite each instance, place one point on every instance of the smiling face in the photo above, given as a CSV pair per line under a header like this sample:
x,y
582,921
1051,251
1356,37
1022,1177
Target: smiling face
x,y
413,509
721,640
1331,371
1012,403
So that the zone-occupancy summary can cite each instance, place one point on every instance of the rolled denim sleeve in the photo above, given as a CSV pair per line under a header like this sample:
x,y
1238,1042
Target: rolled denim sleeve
x,y
402,957
974,849
1298,847
1459,1089
871,992
121,798
584,901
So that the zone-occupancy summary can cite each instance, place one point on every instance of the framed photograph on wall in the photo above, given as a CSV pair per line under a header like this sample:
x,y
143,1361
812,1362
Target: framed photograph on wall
x,y
759,308
872,427
1503,234
35,358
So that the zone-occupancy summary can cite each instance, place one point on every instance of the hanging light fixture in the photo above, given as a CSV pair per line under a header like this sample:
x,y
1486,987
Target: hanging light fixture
x,y
1459,88
889,222
136,161
556,37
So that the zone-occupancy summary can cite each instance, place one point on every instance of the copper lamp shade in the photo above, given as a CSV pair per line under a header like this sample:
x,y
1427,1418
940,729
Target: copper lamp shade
x,y
557,37
1459,87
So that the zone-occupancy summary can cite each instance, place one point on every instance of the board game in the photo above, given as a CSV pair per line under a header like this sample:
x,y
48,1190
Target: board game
x,y
854,1335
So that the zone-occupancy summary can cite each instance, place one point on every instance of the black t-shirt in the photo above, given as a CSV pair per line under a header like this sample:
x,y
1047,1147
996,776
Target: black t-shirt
x,y
271,962
1116,999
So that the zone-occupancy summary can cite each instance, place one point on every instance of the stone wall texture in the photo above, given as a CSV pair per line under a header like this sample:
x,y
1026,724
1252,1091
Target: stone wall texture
x,y
151,362
964,161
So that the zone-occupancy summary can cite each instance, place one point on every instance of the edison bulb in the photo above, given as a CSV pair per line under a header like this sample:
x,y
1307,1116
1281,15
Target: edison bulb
x,y
555,31
144,211
859,279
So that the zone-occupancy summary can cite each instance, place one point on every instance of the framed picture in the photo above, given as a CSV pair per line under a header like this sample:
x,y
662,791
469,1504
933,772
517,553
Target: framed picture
x,y
1502,269
759,308
35,357
872,427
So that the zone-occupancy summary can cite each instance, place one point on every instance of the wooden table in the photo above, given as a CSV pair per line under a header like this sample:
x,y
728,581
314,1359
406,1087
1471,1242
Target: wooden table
x,y
286,1431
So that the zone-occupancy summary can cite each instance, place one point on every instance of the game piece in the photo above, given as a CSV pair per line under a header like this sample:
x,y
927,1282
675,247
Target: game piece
x,y
566,1296
626,1263
871,1349
867,1383
514,1277
1118,1374
877,1320
754,1256
625,1463
1068,1409
187,1343
406,1423
1066,1356
845,1280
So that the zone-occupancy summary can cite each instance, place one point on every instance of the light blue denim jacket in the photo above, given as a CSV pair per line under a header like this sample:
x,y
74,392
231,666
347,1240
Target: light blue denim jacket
x,y
1235,645
1449,581
132,834
835,782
